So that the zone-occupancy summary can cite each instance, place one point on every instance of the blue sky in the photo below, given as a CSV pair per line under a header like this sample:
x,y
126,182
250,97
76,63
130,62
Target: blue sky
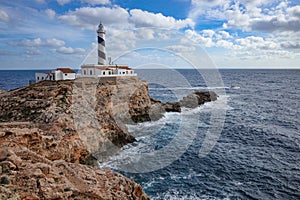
x,y
44,34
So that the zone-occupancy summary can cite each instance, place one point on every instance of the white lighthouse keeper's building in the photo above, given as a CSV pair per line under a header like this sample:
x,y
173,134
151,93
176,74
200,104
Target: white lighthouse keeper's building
x,y
101,69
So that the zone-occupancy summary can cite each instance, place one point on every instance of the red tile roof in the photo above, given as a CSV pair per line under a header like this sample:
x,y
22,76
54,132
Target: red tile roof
x,y
65,70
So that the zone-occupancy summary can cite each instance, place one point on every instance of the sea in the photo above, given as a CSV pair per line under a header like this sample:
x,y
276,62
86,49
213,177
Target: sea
x,y
245,145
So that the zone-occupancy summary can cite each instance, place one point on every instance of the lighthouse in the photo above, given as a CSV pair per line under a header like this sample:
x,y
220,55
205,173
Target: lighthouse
x,y
101,45
101,69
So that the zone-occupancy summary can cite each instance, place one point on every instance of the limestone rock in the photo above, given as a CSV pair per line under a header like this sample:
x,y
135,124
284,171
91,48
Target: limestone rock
x,y
48,129
39,178
172,107
198,98
69,121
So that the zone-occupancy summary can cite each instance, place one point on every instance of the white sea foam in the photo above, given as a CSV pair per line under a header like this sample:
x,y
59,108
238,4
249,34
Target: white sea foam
x,y
183,195
190,88
144,132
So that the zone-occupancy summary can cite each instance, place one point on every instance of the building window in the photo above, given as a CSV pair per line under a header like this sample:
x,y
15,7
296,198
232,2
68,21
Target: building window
x,y
66,74
38,78
131,72
126,72
123,72
84,72
91,72
103,73
42,78
109,72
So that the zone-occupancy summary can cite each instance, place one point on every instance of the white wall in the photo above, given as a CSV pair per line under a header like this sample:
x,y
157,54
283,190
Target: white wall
x,y
58,75
40,76
68,76
95,72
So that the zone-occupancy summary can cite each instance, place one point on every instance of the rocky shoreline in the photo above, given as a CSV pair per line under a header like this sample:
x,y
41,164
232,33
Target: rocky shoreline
x,y
52,133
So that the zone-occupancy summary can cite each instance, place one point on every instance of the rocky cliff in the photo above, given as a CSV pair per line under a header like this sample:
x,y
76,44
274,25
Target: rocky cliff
x,y
49,129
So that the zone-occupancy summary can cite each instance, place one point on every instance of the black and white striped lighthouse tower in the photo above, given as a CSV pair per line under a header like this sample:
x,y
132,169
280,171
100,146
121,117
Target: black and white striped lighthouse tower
x,y
101,45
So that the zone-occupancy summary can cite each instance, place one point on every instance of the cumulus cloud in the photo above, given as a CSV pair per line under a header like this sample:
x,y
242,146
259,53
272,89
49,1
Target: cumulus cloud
x,y
290,45
32,51
87,17
70,50
142,18
50,13
181,48
145,33
250,47
121,40
249,15
199,38
38,42
276,24
96,2
54,42
63,2
224,44
223,34
201,7
4,16
294,11
254,43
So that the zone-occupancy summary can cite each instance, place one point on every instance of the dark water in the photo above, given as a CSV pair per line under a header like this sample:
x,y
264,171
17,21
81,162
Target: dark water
x,y
12,79
257,155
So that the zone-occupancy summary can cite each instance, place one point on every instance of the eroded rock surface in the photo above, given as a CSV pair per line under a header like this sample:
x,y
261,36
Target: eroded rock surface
x,y
26,175
49,129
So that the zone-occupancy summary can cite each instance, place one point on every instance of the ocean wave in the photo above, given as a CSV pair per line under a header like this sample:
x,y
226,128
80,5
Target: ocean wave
x,y
190,88
184,195
154,135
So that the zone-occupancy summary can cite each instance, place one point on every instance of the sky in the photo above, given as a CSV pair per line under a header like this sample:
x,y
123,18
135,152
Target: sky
x,y
47,34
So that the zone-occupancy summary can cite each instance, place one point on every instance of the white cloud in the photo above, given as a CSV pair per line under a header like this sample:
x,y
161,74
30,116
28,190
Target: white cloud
x,y
54,42
249,15
208,33
70,50
31,43
201,7
38,42
32,51
50,13
224,44
181,48
88,17
145,33
121,40
4,16
250,47
276,24
294,11
236,18
199,38
254,43
96,2
63,2
223,34
142,18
